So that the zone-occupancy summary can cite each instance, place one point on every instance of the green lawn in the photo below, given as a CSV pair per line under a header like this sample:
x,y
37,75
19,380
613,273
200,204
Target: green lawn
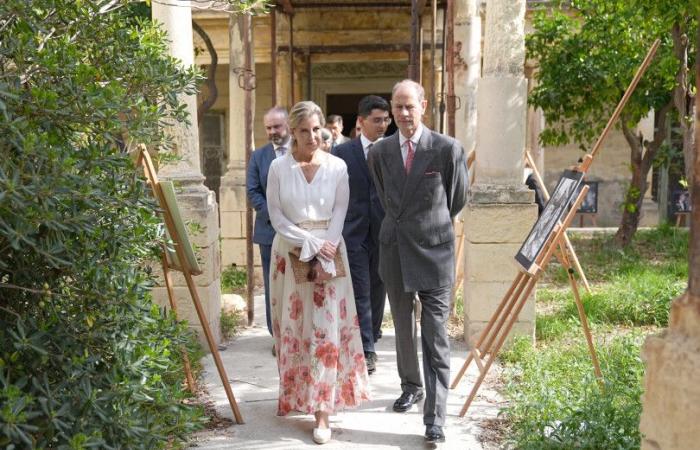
x,y
554,400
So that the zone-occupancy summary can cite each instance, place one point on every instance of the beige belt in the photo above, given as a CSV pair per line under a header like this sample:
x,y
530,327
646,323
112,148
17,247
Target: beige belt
x,y
314,224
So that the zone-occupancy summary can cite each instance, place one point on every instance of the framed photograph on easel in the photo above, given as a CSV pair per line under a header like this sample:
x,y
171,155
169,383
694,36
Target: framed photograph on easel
x,y
680,201
565,192
590,203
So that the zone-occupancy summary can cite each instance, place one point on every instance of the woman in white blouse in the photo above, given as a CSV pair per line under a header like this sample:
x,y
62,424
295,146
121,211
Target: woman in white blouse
x,y
319,351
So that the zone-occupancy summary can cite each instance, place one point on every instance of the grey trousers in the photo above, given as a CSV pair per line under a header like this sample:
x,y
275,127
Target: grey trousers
x,y
434,342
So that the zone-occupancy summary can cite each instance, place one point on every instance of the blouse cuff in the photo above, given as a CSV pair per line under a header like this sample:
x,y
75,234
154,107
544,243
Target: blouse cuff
x,y
328,265
310,248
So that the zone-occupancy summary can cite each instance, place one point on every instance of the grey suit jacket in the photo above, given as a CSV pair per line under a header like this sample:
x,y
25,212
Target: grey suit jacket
x,y
419,208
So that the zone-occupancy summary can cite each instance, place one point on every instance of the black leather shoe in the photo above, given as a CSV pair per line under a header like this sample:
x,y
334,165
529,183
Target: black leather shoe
x,y
407,399
434,434
371,361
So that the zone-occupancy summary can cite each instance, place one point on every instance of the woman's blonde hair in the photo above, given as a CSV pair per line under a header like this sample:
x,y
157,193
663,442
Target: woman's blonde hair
x,y
304,110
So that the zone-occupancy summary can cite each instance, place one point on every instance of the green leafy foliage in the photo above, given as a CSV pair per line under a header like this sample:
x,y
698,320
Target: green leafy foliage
x,y
587,55
555,402
86,360
233,280
230,323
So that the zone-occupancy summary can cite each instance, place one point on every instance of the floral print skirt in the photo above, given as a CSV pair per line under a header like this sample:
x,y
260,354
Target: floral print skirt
x,y
317,335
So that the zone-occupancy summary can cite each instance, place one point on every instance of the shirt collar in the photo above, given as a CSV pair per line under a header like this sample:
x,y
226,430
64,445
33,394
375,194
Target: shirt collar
x,y
365,142
415,138
285,145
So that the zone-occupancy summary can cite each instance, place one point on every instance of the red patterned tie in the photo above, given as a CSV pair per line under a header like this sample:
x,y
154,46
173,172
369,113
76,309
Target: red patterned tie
x,y
409,156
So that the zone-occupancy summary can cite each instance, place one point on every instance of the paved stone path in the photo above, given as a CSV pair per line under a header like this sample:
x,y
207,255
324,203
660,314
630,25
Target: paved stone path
x,y
253,374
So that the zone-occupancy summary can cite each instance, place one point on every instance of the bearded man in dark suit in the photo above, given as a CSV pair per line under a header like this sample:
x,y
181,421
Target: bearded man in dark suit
x,y
362,222
277,130
421,178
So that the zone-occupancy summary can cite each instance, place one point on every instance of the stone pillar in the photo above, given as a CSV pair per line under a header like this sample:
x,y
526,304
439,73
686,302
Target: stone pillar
x,y
501,210
232,192
671,399
535,123
467,69
284,96
197,203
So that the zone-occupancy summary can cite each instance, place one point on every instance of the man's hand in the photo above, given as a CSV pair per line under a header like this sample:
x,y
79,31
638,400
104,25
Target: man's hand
x,y
328,250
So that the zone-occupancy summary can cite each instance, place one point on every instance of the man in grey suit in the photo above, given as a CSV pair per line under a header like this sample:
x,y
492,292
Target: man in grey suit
x,y
421,178
277,129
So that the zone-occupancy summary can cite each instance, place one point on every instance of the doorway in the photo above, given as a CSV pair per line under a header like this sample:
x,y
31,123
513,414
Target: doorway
x,y
345,105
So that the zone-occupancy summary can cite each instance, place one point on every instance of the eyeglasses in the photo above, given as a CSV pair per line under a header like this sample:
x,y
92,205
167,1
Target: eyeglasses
x,y
380,120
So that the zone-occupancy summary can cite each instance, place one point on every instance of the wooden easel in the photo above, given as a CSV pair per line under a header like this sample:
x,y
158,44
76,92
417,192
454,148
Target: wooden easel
x,y
494,335
591,216
567,243
682,218
497,329
144,159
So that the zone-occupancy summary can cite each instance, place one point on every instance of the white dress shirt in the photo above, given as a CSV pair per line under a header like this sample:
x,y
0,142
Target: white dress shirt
x,y
281,150
414,139
366,143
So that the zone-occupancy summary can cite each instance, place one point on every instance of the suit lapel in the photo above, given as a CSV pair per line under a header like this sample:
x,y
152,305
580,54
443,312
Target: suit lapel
x,y
267,157
424,154
359,155
394,162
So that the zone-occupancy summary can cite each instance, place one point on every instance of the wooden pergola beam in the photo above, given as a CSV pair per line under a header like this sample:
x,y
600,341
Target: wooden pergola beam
x,y
352,48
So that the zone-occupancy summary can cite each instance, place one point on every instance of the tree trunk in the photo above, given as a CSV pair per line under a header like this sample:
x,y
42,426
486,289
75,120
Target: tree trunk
x,y
683,99
641,162
694,245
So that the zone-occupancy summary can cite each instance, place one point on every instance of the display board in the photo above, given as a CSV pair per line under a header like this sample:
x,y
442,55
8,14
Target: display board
x,y
558,204
168,190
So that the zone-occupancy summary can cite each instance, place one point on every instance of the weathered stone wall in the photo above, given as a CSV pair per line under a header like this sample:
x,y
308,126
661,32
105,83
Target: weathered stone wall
x,y
671,390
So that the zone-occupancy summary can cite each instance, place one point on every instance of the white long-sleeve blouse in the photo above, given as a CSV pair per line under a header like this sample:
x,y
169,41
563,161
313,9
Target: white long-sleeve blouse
x,y
291,201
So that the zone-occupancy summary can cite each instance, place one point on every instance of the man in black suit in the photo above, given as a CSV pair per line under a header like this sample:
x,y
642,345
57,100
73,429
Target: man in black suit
x,y
362,223
421,178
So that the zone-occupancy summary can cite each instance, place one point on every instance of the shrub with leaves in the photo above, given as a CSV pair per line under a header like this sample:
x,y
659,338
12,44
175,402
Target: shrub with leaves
x,y
557,404
86,360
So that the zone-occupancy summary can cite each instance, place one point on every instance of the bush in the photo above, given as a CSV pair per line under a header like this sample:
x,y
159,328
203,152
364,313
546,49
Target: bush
x,y
233,280
556,402
86,360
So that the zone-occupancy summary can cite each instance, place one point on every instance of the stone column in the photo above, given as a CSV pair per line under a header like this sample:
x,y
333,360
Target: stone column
x,y
467,69
535,123
501,209
233,192
284,96
671,399
197,203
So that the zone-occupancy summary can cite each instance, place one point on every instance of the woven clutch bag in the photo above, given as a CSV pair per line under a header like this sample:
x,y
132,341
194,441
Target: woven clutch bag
x,y
304,270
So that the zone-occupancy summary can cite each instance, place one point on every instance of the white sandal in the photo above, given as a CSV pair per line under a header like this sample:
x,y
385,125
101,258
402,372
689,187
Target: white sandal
x,y
322,435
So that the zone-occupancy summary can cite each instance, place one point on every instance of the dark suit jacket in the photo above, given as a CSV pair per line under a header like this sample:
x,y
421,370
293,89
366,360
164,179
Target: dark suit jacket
x,y
256,186
419,209
365,212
